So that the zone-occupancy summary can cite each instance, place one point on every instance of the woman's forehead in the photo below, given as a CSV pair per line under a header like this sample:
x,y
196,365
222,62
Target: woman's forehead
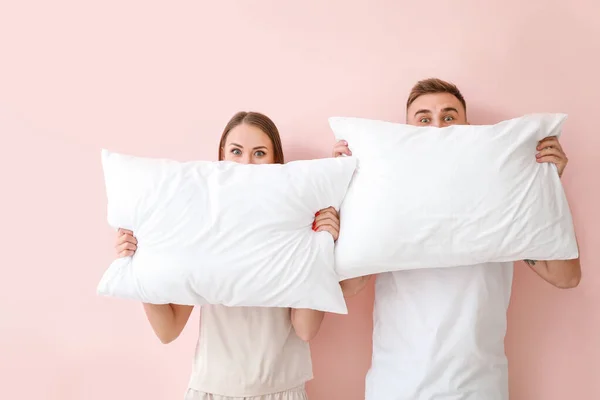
x,y
248,136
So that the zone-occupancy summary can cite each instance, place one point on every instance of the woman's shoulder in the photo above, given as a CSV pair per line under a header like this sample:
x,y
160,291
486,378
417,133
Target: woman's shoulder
x,y
248,314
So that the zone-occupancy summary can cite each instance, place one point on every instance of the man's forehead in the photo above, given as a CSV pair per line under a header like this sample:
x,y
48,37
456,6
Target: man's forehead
x,y
436,102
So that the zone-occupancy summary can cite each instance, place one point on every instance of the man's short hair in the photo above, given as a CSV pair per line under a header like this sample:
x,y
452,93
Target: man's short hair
x,y
433,86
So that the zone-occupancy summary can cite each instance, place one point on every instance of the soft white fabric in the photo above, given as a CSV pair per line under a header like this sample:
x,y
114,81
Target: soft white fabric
x,y
225,233
425,197
439,334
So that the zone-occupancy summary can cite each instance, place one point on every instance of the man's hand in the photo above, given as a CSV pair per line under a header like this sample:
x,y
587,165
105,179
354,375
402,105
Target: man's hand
x,y
340,148
550,151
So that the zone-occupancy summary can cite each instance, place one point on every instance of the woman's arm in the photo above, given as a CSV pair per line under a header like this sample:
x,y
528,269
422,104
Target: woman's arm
x,y
306,322
167,320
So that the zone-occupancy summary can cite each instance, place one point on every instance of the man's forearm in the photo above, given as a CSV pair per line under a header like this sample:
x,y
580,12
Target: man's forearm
x,y
564,274
353,286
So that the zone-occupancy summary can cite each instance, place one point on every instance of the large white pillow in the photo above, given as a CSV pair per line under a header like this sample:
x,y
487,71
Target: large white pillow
x,y
425,197
225,233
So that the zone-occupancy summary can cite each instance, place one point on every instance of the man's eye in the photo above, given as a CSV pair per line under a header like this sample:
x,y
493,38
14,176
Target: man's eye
x,y
425,120
449,118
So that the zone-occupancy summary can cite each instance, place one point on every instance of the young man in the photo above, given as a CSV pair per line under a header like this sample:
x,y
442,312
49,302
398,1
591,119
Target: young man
x,y
439,333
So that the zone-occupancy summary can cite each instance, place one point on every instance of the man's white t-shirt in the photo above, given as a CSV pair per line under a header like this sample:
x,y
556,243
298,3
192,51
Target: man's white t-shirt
x,y
439,334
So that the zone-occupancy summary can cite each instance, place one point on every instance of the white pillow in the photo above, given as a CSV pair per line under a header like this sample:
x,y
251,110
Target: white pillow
x,y
425,197
225,233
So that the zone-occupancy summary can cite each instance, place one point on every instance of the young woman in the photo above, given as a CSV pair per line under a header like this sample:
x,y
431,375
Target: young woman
x,y
244,352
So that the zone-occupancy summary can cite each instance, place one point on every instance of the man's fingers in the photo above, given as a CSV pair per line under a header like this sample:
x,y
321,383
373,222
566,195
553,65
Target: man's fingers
x,y
551,151
550,159
340,148
551,141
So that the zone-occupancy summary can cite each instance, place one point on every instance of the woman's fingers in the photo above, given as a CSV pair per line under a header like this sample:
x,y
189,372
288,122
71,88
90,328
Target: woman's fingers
x,y
127,253
335,233
126,249
126,238
326,220
126,243
328,215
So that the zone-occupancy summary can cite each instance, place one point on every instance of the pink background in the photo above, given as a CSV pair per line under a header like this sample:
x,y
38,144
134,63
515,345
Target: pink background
x,y
162,79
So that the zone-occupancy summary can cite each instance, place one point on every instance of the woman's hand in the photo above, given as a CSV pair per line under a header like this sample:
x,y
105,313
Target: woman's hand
x,y
327,220
126,243
551,151
340,148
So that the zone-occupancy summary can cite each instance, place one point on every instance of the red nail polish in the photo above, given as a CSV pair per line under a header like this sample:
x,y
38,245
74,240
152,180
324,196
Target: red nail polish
x,y
317,213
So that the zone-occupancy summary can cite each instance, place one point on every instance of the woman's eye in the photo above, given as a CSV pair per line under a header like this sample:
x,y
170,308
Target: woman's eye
x,y
259,153
236,152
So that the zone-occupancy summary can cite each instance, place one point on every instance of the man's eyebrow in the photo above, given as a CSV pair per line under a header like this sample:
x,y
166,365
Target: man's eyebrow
x,y
450,109
423,111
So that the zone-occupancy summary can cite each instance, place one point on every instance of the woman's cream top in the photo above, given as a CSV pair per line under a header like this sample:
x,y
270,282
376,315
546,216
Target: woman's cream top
x,y
248,351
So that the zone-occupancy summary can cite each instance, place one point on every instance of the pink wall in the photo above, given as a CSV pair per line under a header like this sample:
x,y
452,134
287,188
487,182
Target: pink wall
x,y
162,78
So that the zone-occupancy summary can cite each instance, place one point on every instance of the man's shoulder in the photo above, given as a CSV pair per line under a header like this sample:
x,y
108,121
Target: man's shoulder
x,y
456,270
